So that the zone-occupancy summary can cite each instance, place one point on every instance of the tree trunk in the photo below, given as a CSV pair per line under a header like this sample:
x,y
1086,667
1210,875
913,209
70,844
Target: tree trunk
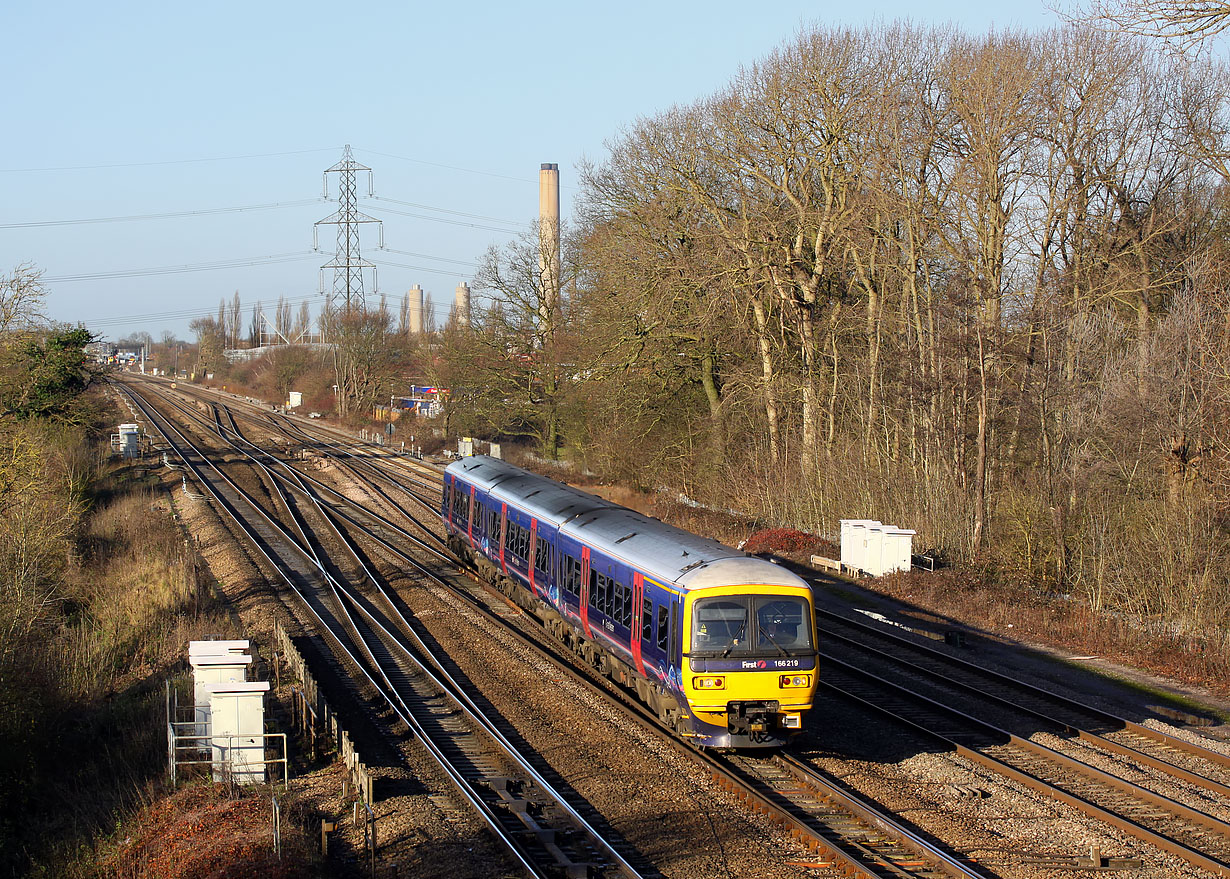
x,y
765,344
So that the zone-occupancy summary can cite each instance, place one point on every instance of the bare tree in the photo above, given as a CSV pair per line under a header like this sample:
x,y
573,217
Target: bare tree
x,y
235,321
1185,24
22,299
210,339
364,358
303,324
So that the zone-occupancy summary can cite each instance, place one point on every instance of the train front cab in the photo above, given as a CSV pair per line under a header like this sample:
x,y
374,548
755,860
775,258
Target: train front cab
x,y
749,665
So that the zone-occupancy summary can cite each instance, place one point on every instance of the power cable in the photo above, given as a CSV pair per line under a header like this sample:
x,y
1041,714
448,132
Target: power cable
x,y
167,162
427,207
437,271
174,214
187,268
505,230
459,262
180,314
449,167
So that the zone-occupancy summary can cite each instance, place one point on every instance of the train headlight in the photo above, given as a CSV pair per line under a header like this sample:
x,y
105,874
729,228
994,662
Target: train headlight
x,y
789,681
712,683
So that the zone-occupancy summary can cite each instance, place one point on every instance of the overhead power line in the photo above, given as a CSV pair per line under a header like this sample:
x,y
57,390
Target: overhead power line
x,y
166,162
179,314
427,207
449,167
183,269
460,262
505,230
167,216
435,270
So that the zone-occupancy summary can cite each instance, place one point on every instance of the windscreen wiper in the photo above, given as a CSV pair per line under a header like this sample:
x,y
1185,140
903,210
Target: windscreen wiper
x,y
780,649
734,640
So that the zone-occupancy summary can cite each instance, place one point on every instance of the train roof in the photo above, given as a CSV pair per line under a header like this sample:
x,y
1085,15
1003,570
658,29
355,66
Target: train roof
x,y
543,498
663,551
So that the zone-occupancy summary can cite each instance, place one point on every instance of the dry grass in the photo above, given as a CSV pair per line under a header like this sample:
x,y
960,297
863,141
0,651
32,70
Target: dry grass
x,y
204,830
140,595
131,596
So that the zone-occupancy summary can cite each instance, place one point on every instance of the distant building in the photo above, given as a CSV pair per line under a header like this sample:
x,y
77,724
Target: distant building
x,y
422,400
102,352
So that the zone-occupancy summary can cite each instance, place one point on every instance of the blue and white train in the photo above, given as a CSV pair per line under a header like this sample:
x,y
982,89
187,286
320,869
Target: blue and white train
x,y
720,644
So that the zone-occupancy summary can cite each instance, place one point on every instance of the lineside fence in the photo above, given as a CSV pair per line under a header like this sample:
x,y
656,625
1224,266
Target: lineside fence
x,y
314,719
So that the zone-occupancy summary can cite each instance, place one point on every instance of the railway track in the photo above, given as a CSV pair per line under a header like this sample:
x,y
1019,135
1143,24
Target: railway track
x,y
806,803
1195,836
537,826
1181,759
849,834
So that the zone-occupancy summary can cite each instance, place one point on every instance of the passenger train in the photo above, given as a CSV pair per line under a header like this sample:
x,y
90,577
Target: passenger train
x,y
720,644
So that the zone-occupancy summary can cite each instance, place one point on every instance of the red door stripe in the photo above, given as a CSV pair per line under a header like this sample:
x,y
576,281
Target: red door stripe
x,y
584,592
533,554
470,520
638,591
503,529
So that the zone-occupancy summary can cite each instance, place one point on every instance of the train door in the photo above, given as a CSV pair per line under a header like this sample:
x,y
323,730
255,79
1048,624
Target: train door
x,y
503,535
676,649
638,596
532,557
470,513
583,592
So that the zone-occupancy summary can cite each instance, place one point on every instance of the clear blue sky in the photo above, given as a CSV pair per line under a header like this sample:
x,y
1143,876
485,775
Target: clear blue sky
x,y
138,109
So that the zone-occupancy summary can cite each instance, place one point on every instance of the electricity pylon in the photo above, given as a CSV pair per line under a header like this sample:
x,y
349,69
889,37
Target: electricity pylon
x,y
347,263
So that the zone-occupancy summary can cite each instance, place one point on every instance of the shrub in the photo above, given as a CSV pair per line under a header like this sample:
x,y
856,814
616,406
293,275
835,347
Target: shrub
x,y
780,540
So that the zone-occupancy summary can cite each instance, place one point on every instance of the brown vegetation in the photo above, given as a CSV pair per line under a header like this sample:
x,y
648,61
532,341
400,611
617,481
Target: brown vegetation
x,y
205,832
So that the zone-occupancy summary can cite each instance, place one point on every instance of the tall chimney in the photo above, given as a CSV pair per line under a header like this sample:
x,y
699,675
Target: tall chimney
x,y
416,310
548,236
461,304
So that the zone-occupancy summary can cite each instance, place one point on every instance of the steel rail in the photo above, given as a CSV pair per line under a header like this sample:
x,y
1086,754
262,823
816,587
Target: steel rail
x,y
1106,717
1089,736
269,459
1121,822
856,863
470,794
448,685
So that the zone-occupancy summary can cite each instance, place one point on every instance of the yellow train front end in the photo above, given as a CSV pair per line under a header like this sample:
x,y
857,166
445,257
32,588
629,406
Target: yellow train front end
x,y
749,670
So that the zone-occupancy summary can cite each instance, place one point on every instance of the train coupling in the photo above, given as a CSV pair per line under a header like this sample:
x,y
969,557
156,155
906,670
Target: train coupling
x,y
743,718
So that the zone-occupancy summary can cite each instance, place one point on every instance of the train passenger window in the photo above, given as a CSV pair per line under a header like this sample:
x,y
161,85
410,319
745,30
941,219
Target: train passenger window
x,y
646,619
621,604
664,636
493,522
601,594
570,574
517,540
542,555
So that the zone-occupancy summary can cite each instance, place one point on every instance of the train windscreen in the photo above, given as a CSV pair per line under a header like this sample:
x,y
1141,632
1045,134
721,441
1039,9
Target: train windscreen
x,y
743,625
